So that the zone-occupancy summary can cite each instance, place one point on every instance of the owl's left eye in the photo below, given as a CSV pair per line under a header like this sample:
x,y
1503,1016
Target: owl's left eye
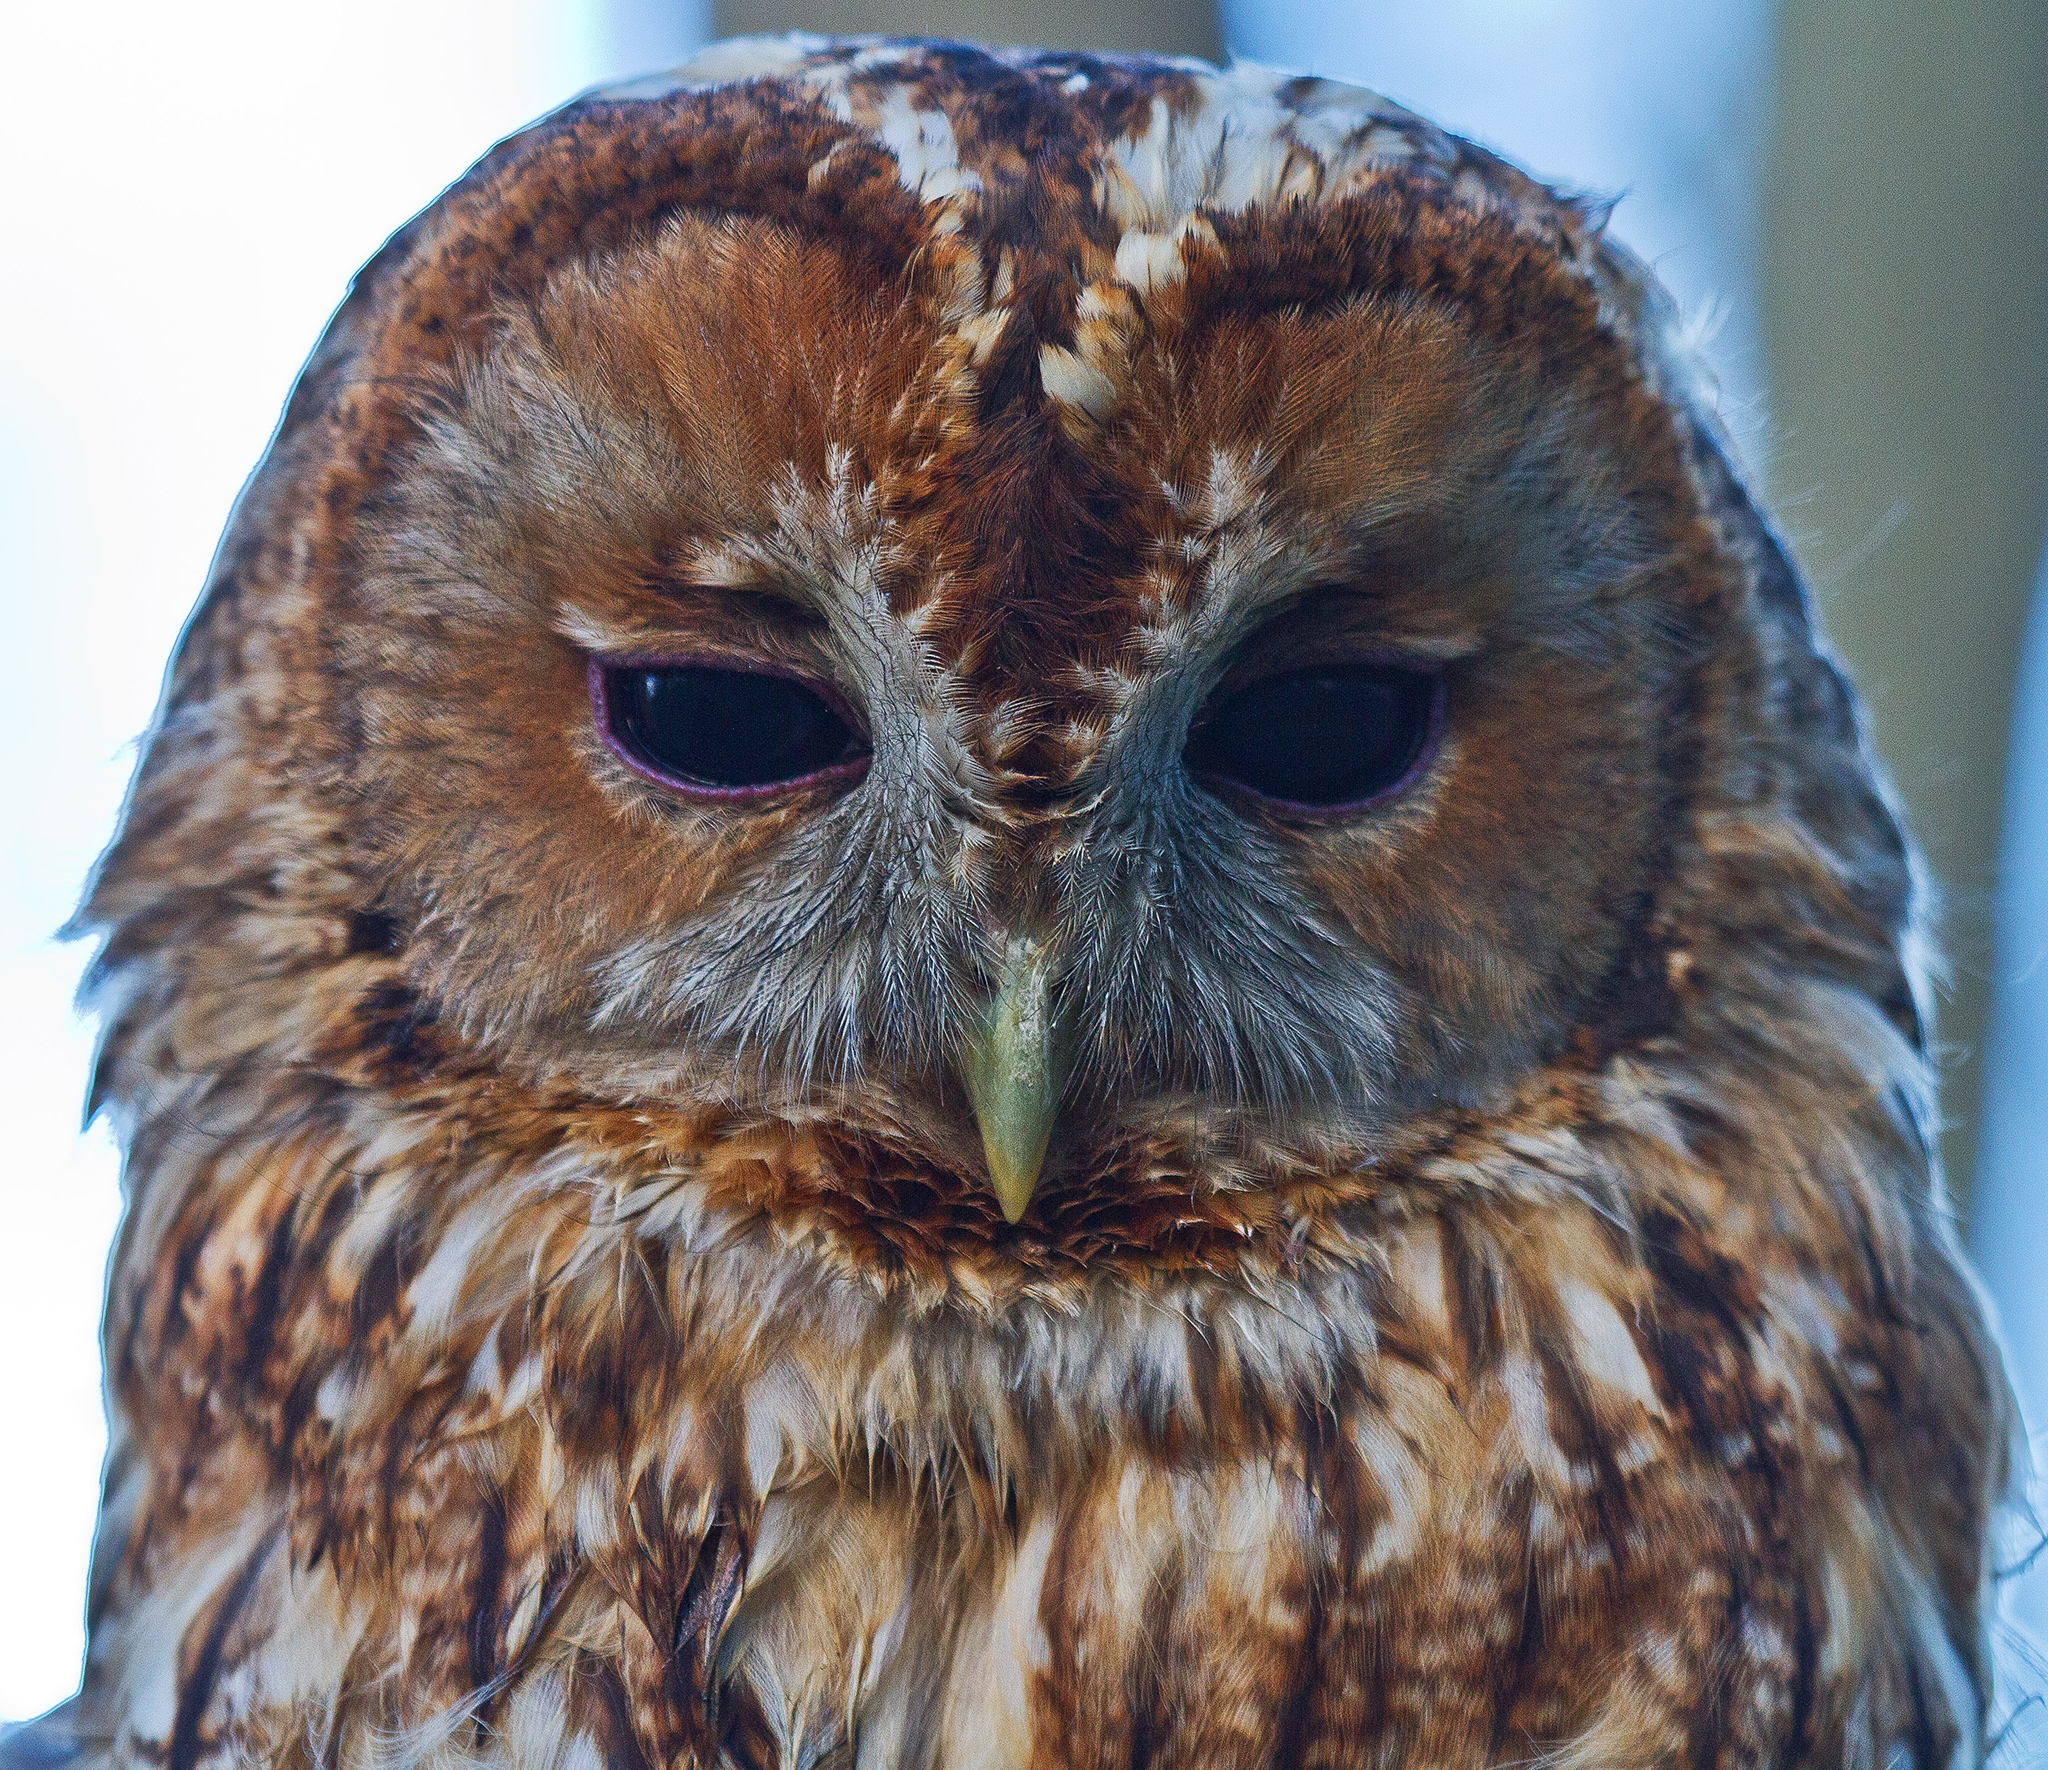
x,y
704,728
1332,738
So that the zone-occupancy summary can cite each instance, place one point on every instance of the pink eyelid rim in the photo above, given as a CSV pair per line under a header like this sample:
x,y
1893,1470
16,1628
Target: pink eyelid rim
x,y
600,707
1425,754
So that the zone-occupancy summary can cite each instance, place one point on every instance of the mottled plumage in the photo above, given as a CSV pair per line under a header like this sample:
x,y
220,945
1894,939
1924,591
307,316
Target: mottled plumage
x,y
1487,1300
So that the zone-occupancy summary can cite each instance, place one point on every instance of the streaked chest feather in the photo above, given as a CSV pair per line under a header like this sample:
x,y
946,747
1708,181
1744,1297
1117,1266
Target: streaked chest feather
x,y
613,1457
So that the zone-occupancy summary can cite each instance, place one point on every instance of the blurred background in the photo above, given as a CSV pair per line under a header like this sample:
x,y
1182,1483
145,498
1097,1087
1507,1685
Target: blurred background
x,y
1845,195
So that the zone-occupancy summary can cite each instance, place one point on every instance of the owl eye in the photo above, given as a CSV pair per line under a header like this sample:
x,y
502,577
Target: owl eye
x,y
709,729
1329,737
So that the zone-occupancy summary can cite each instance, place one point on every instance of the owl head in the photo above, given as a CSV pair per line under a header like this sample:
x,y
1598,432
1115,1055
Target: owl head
x,y
1078,657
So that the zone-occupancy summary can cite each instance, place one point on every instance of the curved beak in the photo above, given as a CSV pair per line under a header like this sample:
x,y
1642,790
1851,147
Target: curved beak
x,y
1012,1076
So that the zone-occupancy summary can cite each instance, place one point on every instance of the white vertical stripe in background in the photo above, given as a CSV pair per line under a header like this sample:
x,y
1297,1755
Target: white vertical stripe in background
x,y
2009,1212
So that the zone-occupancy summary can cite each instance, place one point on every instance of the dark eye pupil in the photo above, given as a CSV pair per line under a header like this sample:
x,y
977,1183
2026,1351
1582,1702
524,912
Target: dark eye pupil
x,y
1328,736
724,728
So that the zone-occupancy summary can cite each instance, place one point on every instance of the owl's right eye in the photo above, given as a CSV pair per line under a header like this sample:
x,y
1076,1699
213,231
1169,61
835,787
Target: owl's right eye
x,y
713,731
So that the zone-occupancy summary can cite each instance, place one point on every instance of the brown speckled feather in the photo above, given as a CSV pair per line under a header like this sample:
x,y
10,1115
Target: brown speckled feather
x,y
1487,1301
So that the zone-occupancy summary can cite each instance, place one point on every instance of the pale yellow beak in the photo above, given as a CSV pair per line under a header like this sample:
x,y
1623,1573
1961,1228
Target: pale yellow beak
x,y
1012,1076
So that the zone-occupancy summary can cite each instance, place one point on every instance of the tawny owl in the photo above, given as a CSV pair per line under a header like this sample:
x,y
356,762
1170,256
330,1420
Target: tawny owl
x,y
1001,912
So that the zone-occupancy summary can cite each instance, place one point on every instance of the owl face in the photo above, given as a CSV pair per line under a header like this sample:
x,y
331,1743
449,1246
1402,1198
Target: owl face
x,y
1067,733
